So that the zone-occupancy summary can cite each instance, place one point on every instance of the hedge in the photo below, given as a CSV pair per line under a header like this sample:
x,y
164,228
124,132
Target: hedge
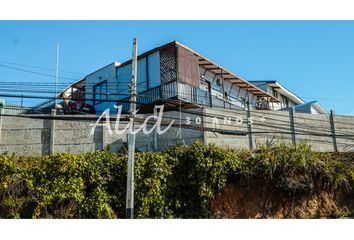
x,y
178,183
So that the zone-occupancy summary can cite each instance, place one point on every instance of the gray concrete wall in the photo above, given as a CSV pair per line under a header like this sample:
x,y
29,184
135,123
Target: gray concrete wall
x,y
274,126
26,136
344,125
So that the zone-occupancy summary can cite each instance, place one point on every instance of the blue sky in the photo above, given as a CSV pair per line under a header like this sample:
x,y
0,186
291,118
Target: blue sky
x,y
314,59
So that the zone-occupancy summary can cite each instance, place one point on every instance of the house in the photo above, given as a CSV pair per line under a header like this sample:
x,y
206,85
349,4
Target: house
x,y
287,98
73,95
174,75
178,77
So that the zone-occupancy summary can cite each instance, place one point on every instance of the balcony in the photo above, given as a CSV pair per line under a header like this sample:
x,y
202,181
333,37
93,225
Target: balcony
x,y
175,93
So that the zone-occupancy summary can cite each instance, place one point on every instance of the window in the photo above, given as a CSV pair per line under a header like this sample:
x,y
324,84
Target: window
x,y
219,82
226,96
275,93
100,92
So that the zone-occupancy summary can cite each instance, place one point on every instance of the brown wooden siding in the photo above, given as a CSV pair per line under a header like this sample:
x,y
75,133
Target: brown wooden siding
x,y
188,70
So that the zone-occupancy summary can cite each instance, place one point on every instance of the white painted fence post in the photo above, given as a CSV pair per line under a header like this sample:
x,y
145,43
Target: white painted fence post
x,y
249,126
292,124
333,130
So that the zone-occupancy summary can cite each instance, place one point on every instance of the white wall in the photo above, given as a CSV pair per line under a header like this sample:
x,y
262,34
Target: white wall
x,y
118,79
275,106
235,95
106,73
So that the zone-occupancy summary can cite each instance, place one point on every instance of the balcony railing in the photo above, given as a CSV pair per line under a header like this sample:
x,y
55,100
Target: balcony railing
x,y
171,90
13,110
180,91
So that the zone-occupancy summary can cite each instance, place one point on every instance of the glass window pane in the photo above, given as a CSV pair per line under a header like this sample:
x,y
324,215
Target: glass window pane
x,y
96,93
104,91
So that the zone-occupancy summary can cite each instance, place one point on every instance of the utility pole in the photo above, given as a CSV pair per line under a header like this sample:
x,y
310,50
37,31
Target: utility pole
x,y
131,137
56,78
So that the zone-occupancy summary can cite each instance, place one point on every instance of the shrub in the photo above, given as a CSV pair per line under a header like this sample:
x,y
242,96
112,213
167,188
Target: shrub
x,y
178,183
200,174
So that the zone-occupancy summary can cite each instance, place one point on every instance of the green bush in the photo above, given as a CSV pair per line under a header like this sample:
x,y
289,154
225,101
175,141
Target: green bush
x,y
178,183
200,173
296,169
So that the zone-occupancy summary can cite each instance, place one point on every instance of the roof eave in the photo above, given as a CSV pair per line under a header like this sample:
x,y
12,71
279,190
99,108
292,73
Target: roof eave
x,y
289,94
250,85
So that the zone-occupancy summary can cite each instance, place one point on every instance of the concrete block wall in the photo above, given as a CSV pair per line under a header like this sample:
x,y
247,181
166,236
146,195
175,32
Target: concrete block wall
x,y
215,118
176,135
314,129
344,125
25,136
275,126
271,127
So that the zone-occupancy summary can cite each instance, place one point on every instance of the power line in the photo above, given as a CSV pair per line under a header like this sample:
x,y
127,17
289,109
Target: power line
x,y
222,131
286,123
122,100
67,84
33,72
38,67
154,98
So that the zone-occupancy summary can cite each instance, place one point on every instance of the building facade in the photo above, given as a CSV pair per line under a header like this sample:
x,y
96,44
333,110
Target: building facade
x,y
288,99
179,77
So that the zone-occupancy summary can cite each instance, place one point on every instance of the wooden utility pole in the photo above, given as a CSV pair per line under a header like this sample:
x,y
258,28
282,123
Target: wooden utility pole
x,y
131,137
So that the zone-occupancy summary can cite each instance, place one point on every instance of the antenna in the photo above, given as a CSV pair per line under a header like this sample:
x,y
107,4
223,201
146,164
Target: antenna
x,y
56,78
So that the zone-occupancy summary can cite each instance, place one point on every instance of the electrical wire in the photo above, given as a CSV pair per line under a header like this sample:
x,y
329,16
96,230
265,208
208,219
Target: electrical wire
x,y
201,114
275,132
33,72
38,67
